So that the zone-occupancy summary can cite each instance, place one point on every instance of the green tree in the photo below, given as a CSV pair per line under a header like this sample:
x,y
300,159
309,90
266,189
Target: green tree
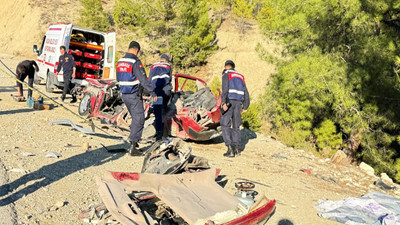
x,y
352,45
182,28
243,8
93,16
327,136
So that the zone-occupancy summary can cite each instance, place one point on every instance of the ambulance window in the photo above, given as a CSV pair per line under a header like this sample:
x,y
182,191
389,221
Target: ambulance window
x,y
110,54
41,47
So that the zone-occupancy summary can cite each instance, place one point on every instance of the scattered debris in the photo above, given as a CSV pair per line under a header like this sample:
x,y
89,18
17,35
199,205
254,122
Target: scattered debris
x,y
86,146
307,171
18,170
340,158
53,155
367,168
93,212
329,179
59,204
245,192
88,130
27,154
18,98
279,156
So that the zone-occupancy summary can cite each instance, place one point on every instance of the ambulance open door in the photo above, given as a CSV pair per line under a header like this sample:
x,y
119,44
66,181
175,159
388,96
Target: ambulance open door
x,y
109,61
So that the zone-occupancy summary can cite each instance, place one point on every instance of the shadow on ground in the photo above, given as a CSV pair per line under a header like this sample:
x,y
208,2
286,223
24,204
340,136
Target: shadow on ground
x,y
15,111
51,173
245,136
285,222
8,89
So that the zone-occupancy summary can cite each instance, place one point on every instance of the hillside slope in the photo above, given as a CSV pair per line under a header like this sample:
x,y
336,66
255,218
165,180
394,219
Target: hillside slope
x,y
240,47
24,22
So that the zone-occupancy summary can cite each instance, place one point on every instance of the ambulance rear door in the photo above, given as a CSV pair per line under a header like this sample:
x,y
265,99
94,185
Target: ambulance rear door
x,y
109,56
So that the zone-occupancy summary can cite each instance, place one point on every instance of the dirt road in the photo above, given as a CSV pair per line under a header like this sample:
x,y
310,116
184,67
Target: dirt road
x,y
55,190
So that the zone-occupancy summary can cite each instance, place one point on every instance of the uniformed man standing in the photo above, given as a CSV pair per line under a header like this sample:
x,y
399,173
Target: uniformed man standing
x,y
161,76
132,77
67,63
235,99
25,69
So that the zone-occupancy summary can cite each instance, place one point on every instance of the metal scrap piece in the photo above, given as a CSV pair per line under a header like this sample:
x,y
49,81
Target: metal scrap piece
x,y
88,130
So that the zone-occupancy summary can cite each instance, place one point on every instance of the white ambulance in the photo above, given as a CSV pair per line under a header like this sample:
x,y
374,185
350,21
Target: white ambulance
x,y
93,51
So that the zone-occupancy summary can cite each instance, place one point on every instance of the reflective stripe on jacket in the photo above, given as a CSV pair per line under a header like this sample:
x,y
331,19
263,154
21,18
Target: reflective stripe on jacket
x,y
129,84
236,85
160,74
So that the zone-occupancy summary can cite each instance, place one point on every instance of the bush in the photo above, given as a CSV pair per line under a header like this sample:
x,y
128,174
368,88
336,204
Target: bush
x,y
327,136
251,118
344,67
216,84
93,16
126,14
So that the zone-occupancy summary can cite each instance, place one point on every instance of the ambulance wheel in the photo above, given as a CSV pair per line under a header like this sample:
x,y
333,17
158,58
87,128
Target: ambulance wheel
x,y
36,80
49,84
85,105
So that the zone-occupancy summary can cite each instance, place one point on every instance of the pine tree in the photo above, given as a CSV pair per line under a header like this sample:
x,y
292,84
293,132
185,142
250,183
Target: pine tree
x,y
93,15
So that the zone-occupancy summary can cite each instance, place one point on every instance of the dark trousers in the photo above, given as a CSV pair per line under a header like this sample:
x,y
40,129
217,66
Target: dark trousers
x,y
22,77
158,109
230,123
135,107
68,85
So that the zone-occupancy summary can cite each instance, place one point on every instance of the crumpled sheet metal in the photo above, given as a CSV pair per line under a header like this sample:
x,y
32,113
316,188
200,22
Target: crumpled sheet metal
x,y
119,204
88,130
192,196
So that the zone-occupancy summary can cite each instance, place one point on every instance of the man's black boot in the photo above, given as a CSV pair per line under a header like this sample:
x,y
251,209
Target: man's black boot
x,y
159,136
133,151
236,150
73,99
62,98
230,152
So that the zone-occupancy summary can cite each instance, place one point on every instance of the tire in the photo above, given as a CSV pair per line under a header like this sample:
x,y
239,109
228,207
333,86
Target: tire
x,y
85,106
36,80
49,83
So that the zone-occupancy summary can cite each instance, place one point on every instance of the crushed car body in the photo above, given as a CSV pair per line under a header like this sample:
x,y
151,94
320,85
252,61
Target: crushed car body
x,y
193,112
176,187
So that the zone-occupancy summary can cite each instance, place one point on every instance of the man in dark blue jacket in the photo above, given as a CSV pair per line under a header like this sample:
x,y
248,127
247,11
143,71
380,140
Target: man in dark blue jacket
x,y
161,76
235,99
132,77
67,63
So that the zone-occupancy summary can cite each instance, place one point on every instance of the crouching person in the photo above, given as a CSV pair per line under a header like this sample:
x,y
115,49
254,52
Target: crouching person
x,y
25,69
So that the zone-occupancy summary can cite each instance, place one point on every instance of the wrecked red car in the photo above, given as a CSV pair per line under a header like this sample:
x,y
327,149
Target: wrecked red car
x,y
175,187
193,112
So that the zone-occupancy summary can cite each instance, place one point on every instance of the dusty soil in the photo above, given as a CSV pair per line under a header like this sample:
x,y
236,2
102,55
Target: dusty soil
x,y
24,22
54,190
239,44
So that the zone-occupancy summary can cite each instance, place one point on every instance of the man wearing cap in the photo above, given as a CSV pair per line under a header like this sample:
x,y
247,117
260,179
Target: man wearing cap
x,y
131,77
160,77
235,99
